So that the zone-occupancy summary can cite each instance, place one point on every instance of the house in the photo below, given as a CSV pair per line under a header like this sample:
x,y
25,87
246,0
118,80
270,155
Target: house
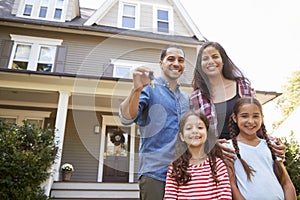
x,y
70,67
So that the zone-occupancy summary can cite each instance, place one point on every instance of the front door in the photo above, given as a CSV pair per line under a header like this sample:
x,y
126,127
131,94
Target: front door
x,y
116,154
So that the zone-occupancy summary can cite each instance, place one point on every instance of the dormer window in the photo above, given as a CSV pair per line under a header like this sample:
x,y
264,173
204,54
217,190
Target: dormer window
x,y
163,20
28,7
43,9
128,19
58,9
128,15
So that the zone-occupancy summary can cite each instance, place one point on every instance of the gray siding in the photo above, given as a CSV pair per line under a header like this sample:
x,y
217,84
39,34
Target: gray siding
x,y
71,11
179,26
146,18
90,55
111,17
81,146
15,7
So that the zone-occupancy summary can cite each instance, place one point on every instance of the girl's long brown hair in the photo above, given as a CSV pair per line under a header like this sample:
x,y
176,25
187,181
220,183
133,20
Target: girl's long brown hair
x,y
234,131
183,155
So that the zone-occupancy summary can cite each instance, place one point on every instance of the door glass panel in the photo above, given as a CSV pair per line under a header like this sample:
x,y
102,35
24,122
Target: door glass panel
x,y
117,143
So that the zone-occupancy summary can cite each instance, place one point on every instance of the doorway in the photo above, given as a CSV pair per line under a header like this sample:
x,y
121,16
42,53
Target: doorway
x,y
116,154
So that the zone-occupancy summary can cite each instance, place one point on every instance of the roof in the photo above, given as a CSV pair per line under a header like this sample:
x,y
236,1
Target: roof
x,y
87,16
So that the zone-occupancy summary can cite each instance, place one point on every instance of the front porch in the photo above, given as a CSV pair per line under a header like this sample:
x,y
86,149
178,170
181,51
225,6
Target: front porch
x,y
79,190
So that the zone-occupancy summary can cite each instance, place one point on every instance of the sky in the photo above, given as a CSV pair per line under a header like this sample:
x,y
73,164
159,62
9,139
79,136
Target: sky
x,y
262,37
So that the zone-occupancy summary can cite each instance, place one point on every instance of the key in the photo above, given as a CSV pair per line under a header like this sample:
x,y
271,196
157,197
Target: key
x,y
151,76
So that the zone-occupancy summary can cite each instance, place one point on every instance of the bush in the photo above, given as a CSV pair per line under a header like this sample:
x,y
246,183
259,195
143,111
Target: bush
x,y
27,154
292,160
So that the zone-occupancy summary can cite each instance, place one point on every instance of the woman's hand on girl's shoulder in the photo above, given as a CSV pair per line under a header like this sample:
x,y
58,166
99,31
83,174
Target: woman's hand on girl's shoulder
x,y
228,153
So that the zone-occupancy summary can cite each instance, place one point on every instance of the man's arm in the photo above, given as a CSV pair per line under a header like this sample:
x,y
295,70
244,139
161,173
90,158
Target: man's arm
x,y
130,106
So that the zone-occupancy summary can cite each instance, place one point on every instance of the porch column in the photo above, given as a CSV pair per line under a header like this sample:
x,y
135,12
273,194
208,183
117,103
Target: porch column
x,y
60,124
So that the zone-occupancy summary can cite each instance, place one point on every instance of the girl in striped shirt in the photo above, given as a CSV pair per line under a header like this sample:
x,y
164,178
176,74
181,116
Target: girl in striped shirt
x,y
198,171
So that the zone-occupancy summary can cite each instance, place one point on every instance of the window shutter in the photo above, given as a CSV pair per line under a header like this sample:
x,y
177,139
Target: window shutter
x,y
5,53
60,59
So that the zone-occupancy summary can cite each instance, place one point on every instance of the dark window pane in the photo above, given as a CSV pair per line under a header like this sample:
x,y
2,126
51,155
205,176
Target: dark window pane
x,y
44,67
43,12
162,15
163,27
57,14
27,10
19,65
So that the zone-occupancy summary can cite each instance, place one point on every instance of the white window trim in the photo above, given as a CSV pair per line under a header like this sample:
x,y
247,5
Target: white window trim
x,y
137,14
21,115
36,10
36,43
171,19
134,64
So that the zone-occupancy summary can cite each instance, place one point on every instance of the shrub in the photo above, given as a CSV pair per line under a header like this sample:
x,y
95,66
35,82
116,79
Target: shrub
x,y
292,160
27,154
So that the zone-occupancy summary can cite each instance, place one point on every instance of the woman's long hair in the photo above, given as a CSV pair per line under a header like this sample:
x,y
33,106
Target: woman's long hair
x,y
183,155
230,70
234,131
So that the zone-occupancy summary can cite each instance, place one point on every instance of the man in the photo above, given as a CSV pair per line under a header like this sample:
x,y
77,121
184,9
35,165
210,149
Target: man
x,y
157,110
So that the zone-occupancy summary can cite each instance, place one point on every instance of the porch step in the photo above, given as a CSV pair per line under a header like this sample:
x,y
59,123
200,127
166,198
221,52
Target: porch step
x,y
103,191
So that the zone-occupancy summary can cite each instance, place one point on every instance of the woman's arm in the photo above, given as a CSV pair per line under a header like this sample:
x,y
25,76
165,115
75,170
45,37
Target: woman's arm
x,y
228,153
287,185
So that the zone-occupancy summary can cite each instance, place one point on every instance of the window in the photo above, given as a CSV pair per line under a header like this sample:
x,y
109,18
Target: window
x,y
33,53
128,16
43,9
38,122
124,68
43,12
17,116
162,21
58,9
27,10
57,14
10,120
128,20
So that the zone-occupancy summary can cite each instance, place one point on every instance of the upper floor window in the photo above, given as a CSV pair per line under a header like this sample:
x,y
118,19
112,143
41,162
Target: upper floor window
x,y
163,20
33,53
58,9
128,15
42,9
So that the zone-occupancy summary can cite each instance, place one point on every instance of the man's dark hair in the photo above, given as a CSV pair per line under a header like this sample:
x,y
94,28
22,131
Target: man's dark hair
x,y
164,51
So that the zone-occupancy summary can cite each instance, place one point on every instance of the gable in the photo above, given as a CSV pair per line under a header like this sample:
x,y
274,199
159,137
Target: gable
x,y
50,10
166,17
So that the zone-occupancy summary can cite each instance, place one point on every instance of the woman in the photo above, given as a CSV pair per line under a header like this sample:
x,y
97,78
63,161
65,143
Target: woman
x,y
217,84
